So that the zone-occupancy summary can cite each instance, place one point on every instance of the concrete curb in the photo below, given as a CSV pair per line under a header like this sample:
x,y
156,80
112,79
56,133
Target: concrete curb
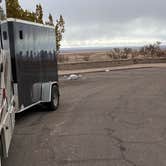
x,y
106,64
129,67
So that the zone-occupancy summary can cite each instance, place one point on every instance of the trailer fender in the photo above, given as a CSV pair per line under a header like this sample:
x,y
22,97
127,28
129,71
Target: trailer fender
x,y
46,91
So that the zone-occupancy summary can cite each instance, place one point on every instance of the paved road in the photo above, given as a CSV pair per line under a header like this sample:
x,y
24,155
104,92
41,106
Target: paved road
x,y
105,119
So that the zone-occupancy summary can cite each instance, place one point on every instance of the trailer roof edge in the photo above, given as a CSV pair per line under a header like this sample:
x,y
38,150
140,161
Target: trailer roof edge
x,y
27,22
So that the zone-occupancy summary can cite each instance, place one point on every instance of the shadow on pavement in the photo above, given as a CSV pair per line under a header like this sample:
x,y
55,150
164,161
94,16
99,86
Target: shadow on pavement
x,y
31,112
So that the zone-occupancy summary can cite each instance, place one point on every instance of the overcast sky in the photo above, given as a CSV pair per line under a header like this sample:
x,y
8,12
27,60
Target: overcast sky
x,y
107,22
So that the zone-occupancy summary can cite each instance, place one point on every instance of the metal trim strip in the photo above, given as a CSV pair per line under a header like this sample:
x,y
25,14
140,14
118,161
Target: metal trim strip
x,y
27,22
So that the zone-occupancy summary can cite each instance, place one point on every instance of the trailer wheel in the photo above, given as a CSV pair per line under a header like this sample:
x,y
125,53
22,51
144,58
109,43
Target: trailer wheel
x,y
54,104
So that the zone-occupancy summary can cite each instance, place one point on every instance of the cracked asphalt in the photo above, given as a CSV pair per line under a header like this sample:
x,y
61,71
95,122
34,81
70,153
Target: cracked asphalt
x,y
105,119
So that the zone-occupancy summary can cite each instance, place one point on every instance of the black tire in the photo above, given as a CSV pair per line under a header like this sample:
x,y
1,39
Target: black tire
x,y
54,104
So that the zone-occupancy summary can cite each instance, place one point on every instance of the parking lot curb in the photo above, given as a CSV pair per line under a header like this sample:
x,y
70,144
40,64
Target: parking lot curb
x,y
109,69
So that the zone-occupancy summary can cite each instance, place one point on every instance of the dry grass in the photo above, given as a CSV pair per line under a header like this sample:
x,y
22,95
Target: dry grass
x,y
115,54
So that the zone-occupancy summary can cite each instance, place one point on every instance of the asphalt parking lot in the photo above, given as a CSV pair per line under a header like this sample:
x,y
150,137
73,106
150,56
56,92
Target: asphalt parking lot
x,y
113,118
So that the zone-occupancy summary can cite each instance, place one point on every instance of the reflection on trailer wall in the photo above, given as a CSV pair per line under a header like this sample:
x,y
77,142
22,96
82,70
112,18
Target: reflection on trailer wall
x,y
34,59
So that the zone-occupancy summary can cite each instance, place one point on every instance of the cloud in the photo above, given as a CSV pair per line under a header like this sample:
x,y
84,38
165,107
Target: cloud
x,y
136,31
105,22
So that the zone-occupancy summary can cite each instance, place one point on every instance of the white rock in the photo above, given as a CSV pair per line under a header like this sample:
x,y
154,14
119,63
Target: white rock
x,y
73,77
107,70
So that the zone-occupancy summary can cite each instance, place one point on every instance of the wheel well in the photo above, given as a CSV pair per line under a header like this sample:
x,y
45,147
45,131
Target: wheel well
x,y
57,87
47,90
55,84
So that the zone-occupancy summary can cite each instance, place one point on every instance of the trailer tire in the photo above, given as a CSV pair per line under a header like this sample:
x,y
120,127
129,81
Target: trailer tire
x,y
54,104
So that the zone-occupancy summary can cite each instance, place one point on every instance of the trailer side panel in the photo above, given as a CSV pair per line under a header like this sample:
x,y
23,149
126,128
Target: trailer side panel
x,y
35,60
